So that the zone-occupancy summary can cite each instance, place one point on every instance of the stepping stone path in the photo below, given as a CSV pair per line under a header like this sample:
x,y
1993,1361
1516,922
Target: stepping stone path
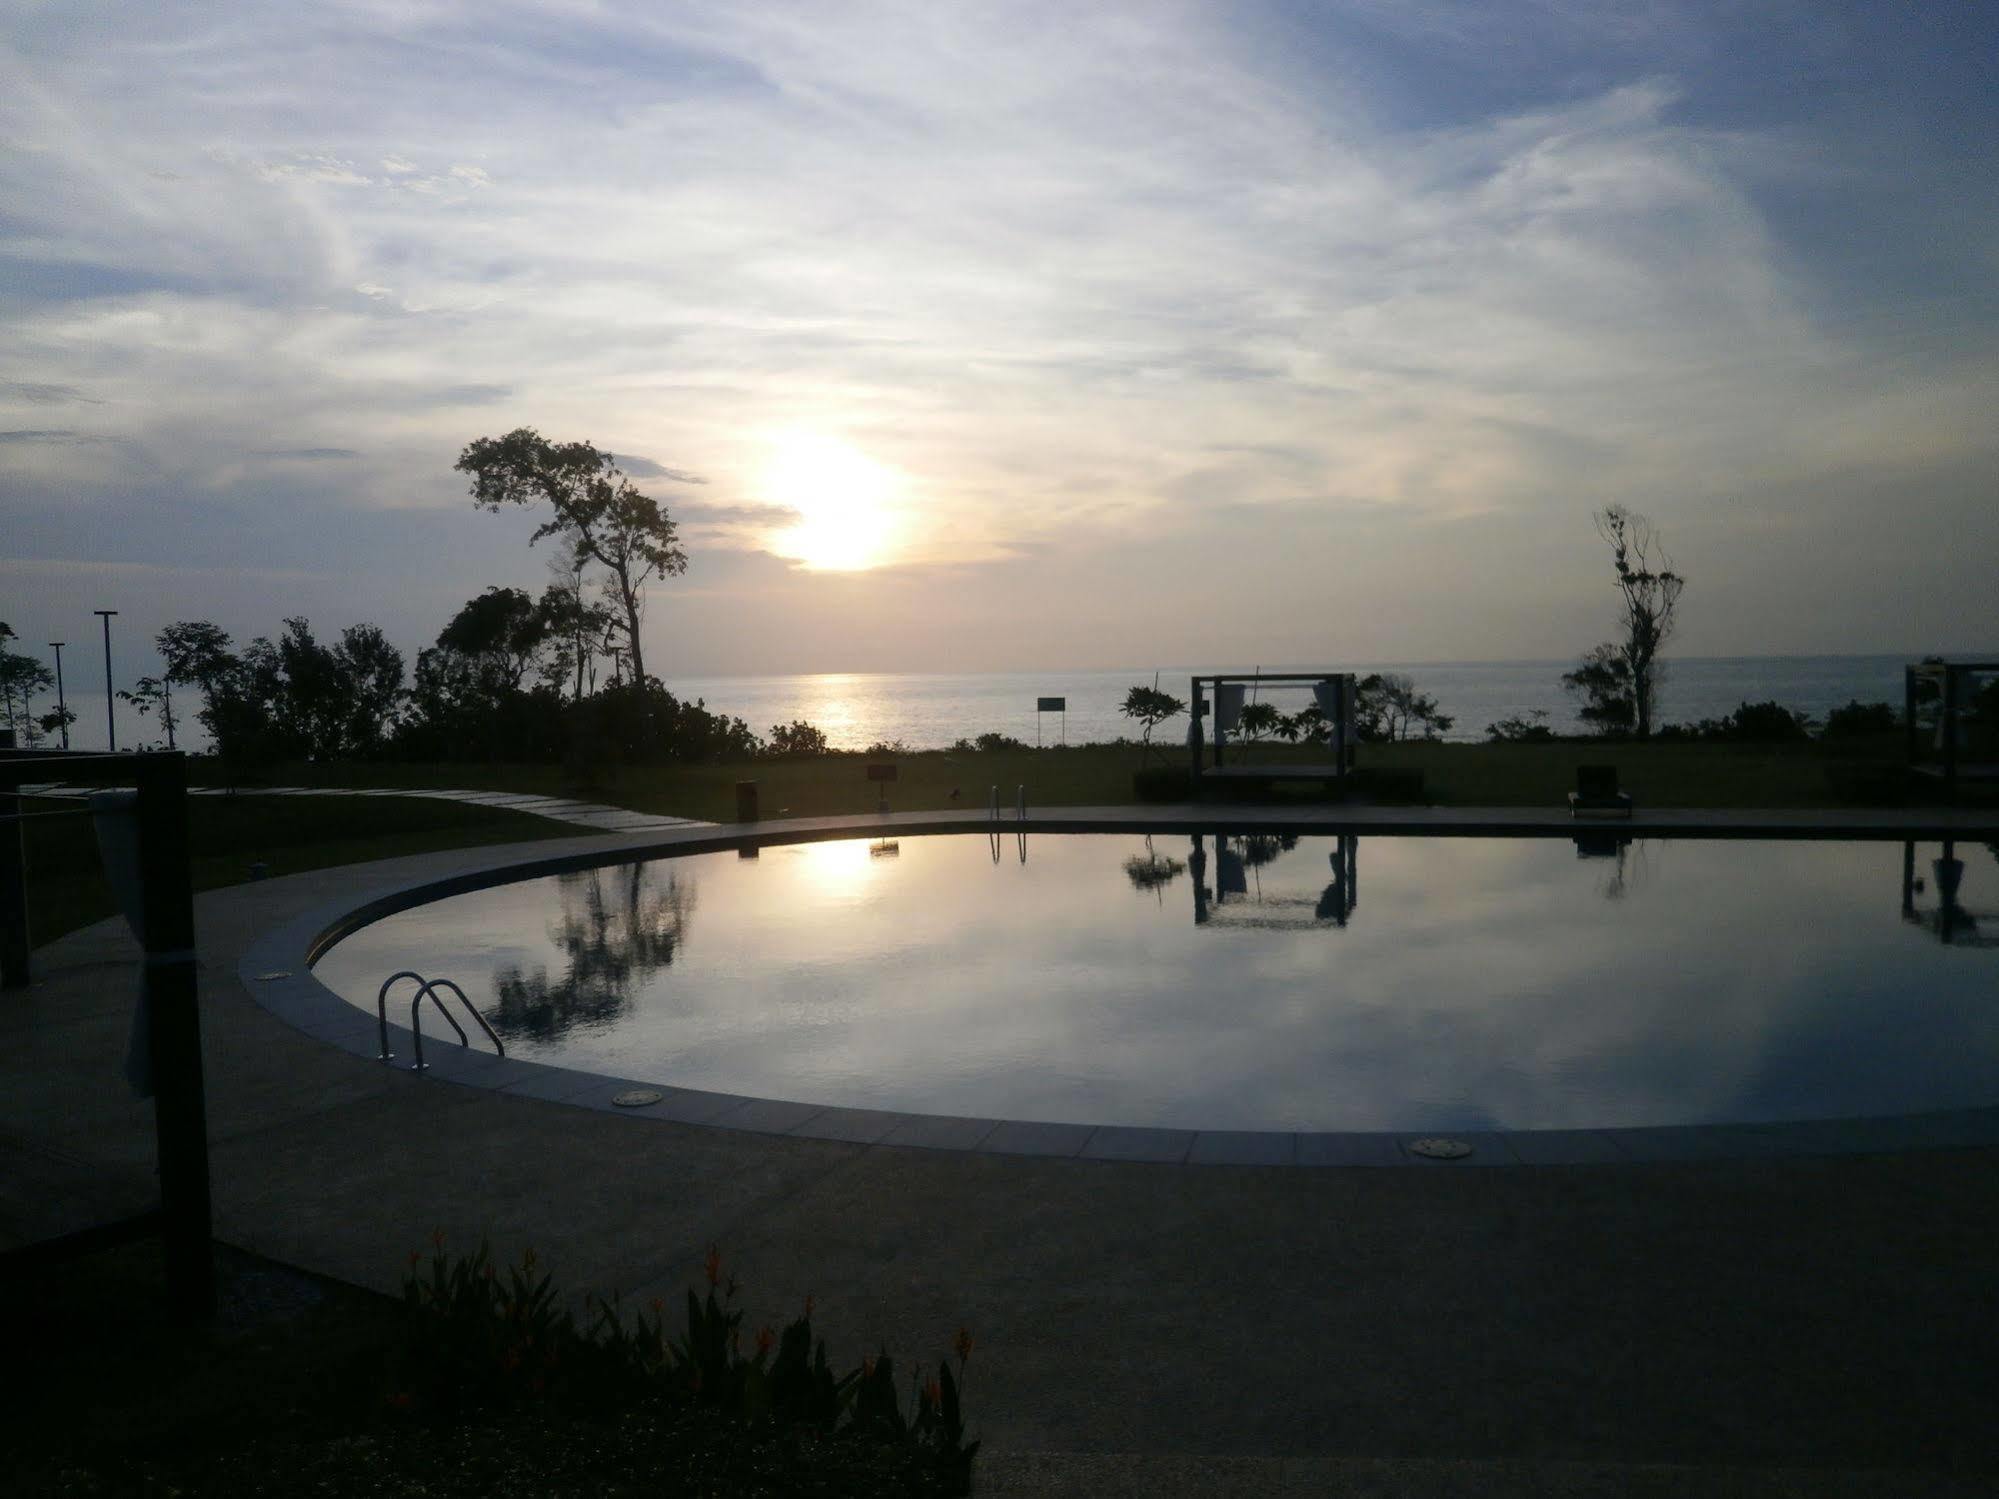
x,y
592,815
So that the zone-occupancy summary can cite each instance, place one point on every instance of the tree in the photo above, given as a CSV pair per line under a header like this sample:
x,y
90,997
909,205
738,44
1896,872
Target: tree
x,y
502,629
797,738
1388,706
596,511
196,652
21,677
1150,708
150,693
1649,592
1259,721
577,626
1603,681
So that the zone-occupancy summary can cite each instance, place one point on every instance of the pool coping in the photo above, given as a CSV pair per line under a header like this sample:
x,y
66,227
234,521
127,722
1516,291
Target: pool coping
x,y
276,969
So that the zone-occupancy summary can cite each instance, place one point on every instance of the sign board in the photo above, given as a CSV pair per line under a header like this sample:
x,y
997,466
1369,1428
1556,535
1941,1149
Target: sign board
x,y
1051,705
881,772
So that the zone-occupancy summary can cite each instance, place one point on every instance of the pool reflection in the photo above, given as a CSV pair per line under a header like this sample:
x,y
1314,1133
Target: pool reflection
x,y
618,927
1489,983
1239,899
1953,924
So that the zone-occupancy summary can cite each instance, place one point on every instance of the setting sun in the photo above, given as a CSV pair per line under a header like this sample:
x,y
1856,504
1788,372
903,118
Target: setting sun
x,y
844,500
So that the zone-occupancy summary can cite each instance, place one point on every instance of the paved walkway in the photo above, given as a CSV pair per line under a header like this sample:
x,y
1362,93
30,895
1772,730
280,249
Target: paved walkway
x,y
1808,1325
592,815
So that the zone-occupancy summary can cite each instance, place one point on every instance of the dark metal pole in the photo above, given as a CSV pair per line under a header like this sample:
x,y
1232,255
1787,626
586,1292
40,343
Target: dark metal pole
x,y
1949,711
1909,709
110,723
173,1010
62,703
13,888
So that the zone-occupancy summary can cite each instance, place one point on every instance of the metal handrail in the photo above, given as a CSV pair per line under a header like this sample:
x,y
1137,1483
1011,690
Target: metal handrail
x,y
428,988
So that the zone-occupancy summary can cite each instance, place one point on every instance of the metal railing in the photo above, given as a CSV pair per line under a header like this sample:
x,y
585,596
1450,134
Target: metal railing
x,y
427,989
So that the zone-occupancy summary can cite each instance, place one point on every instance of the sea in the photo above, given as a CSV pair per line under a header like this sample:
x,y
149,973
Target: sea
x,y
932,710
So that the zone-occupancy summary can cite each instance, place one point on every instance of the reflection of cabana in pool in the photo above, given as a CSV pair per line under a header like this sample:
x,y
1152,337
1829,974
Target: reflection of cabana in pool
x,y
1238,898
1219,699
1953,924
1951,709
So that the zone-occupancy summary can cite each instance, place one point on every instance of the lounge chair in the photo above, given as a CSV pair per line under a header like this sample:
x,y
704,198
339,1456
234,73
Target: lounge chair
x,y
1597,793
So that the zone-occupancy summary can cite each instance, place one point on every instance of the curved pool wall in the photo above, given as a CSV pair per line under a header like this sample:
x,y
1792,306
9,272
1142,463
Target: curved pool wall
x,y
277,970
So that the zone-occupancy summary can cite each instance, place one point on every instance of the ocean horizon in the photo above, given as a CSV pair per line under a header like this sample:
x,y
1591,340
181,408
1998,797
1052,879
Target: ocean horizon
x,y
930,710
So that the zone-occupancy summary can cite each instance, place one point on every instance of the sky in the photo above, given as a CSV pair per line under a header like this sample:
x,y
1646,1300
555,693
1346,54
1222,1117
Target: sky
x,y
963,337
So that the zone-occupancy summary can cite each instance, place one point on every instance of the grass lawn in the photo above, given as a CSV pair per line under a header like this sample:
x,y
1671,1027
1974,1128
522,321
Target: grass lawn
x,y
1658,775
66,886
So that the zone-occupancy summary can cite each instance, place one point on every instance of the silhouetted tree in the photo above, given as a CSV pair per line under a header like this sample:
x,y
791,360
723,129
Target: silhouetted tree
x,y
1649,591
152,694
1150,708
502,629
596,510
1388,706
21,677
197,654
1603,682
577,626
797,738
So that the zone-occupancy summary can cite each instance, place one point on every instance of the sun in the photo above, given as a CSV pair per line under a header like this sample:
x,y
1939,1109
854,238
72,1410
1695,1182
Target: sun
x,y
844,499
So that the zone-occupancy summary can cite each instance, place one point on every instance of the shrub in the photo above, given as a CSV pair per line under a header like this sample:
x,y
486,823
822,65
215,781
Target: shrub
x,y
1858,719
481,1341
1528,727
797,738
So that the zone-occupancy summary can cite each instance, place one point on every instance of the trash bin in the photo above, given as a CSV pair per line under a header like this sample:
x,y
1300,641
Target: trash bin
x,y
746,801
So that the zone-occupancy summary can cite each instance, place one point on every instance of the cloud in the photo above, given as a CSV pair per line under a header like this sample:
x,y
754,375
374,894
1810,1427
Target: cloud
x,y
645,468
1350,300
310,454
44,434
37,393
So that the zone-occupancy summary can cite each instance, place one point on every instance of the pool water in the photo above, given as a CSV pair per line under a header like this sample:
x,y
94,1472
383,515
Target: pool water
x,y
1251,981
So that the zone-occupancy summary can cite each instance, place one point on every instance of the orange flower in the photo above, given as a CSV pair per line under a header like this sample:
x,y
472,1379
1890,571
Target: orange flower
x,y
527,1258
416,1258
962,1344
402,1400
808,1306
765,1338
713,1265
437,1239
658,1306
867,1367
931,1392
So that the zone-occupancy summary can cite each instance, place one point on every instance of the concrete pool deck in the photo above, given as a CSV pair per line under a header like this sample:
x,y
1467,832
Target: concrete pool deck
x,y
1219,1328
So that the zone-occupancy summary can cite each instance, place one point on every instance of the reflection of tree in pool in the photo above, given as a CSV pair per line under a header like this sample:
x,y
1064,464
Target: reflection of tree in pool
x,y
1152,871
618,927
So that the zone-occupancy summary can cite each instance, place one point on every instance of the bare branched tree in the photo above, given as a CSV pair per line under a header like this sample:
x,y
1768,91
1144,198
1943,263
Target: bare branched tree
x,y
1650,591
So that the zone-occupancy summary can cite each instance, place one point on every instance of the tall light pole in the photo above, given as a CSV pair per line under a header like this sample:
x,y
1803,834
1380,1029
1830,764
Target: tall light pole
x,y
110,723
62,706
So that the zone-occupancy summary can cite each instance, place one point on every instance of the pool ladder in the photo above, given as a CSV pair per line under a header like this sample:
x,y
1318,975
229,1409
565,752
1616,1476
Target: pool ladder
x,y
1020,816
427,988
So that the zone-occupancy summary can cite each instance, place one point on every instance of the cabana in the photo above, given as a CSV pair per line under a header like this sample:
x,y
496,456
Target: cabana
x,y
1220,697
1951,709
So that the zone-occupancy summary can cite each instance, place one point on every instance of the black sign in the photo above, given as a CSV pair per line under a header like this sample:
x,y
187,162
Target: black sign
x,y
881,772
1051,705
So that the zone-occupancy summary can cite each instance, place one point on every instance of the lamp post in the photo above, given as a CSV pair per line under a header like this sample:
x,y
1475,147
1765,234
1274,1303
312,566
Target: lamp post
x,y
110,723
62,705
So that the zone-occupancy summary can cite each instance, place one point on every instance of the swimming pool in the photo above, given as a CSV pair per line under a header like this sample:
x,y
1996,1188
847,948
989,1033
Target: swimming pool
x,y
1258,981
